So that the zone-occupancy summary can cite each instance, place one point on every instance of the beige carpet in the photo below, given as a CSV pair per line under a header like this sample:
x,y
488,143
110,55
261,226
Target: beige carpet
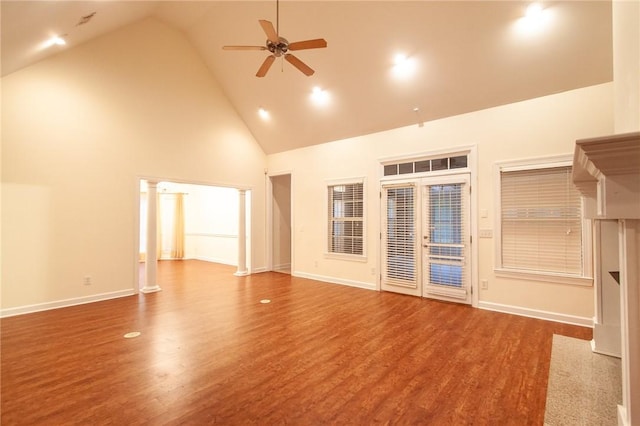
x,y
584,387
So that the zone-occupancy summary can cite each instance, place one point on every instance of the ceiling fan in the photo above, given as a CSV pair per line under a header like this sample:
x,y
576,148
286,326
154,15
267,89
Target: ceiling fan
x,y
280,47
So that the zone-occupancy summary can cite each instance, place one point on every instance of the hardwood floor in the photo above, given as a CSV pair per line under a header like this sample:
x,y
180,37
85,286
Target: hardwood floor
x,y
319,353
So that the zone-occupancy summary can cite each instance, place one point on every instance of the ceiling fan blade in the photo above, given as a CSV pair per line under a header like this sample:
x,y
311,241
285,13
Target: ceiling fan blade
x,y
265,66
244,48
306,70
271,33
308,44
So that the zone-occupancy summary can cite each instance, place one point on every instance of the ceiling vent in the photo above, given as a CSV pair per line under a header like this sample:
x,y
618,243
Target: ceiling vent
x,y
85,19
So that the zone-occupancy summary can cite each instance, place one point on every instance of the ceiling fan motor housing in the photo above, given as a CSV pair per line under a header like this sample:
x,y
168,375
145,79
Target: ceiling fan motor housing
x,y
280,48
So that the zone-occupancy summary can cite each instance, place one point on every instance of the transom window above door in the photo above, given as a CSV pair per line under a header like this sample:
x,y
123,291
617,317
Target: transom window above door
x,y
425,165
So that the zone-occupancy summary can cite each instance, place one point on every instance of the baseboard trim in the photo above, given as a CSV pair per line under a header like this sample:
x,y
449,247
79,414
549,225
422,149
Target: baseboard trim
x,y
259,270
215,260
538,314
29,309
282,266
622,416
333,280
606,339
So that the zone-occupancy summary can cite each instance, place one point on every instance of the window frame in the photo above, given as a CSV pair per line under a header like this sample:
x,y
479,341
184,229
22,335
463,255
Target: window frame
x,y
328,218
585,278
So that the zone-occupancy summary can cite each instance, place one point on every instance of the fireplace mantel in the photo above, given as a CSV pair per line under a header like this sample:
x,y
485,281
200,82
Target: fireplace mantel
x,y
606,170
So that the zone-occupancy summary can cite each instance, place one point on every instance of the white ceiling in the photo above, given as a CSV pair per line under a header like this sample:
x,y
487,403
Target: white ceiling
x,y
469,56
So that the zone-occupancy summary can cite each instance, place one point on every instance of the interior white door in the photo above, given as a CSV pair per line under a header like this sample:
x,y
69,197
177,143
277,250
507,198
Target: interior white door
x,y
446,238
400,245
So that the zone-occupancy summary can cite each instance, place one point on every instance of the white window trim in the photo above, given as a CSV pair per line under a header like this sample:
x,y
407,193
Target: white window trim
x,y
344,256
586,279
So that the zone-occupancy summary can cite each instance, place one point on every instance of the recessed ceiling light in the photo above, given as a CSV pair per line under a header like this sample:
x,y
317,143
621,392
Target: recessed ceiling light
x,y
403,66
535,18
263,113
319,96
54,41
535,11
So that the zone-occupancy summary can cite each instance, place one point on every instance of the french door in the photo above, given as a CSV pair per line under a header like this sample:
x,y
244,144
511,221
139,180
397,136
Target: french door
x,y
400,246
446,238
426,238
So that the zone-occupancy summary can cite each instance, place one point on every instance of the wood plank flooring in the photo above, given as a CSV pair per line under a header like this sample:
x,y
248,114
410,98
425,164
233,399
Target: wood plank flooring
x,y
211,353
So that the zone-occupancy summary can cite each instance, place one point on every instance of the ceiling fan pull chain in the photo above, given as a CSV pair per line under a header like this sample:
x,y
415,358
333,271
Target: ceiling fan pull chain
x,y
278,17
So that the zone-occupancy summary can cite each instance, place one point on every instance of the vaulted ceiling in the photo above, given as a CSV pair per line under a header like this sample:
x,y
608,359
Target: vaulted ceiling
x,y
466,56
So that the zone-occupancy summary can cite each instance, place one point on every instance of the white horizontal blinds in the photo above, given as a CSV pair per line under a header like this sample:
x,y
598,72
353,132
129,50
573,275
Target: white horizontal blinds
x,y
541,221
346,210
446,235
400,236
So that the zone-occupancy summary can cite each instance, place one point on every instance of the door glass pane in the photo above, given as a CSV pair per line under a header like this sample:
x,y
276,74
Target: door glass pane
x,y
450,275
400,234
445,212
446,248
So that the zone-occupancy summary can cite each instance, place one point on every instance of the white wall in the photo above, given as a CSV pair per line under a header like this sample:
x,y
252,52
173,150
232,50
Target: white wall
x,y
533,128
626,65
211,224
79,129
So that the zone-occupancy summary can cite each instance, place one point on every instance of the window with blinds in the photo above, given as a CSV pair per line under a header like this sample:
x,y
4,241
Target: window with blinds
x,y
541,221
346,216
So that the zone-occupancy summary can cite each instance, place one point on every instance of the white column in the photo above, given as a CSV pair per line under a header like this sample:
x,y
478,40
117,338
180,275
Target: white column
x,y
629,231
242,234
151,263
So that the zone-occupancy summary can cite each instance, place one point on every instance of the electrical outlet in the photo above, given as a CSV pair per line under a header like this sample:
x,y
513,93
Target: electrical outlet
x,y
485,233
315,263
373,271
86,280
484,284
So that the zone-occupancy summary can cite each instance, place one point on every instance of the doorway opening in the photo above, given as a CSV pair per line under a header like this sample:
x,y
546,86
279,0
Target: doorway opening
x,y
193,221
280,245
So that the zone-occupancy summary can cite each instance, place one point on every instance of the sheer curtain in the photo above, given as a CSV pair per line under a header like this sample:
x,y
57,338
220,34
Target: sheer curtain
x,y
171,226
177,248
